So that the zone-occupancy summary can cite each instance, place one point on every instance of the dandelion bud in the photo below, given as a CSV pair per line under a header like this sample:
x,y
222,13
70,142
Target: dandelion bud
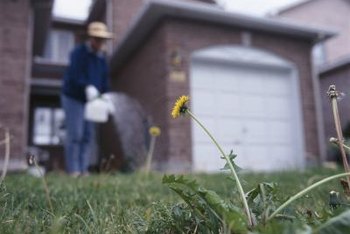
x,y
333,140
334,200
154,131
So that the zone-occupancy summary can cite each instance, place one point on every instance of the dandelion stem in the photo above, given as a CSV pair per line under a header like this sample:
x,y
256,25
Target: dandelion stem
x,y
47,191
239,185
150,154
333,94
304,191
346,147
7,155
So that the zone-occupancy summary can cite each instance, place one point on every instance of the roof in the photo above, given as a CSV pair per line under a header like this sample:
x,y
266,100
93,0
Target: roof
x,y
156,10
69,21
292,6
296,6
345,61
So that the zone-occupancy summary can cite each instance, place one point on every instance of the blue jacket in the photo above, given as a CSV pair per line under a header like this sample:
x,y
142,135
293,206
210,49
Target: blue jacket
x,y
85,68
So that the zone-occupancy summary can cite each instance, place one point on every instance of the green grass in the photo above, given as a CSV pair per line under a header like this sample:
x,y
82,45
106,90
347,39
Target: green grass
x,y
133,203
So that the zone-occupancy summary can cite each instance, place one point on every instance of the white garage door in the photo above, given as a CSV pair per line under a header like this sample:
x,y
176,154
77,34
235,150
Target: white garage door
x,y
251,110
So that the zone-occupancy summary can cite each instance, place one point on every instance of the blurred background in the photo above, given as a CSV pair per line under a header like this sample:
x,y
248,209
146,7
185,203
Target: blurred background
x,y
80,9
257,72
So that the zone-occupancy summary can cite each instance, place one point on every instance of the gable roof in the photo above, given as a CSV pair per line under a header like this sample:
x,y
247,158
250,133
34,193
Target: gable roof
x,y
293,6
297,5
343,62
156,10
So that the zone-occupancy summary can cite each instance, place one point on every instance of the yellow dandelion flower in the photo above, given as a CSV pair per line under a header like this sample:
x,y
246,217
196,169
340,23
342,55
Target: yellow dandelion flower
x,y
154,131
180,106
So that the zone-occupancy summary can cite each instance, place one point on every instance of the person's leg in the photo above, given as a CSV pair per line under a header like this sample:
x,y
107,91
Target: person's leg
x,y
85,149
74,111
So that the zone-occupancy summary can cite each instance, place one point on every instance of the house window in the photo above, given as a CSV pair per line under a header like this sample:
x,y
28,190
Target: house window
x,y
59,45
48,126
319,54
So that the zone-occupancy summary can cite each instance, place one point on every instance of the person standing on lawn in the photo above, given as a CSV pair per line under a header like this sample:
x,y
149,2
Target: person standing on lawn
x,y
85,79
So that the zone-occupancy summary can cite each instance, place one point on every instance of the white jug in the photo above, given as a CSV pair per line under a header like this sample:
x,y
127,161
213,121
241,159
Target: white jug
x,y
97,110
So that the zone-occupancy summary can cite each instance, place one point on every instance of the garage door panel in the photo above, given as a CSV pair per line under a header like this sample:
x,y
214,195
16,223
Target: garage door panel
x,y
199,135
207,158
277,130
247,110
282,156
276,86
202,80
227,83
255,131
230,129
202,102
252,106
278,108
255,155
251,85
228,104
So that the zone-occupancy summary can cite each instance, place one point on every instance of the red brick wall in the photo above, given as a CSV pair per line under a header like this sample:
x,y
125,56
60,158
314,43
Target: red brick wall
x,y
15,51
124,12
146,77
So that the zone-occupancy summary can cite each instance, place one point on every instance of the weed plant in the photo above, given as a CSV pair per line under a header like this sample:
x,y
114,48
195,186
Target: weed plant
x,y
212,214
131,203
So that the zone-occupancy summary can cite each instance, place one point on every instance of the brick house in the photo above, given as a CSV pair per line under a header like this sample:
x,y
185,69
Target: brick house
x,y
34,50
321,13
250,80
332,57
24,26
46,128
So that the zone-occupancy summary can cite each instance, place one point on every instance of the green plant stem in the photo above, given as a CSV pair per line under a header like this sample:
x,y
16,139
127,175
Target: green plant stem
x,y
346,147
150,154
304,191
47,191
239,185
263,196
7,143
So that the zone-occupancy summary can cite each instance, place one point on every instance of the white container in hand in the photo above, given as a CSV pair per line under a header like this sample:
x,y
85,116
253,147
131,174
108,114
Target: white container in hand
x,y
97,110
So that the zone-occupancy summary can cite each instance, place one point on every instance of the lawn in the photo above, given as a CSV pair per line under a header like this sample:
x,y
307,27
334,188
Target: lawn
x,y
136,203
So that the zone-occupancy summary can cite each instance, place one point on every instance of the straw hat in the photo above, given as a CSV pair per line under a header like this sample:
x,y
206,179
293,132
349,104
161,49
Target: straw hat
x,y
99,29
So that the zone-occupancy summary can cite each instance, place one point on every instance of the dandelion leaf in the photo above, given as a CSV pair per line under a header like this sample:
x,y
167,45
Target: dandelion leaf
x,y
208,207
337,225
231,157
261,199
